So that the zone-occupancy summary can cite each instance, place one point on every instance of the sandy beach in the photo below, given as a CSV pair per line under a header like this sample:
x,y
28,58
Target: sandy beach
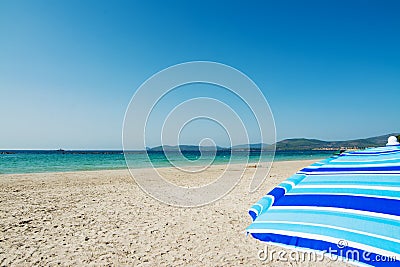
x,y
99,218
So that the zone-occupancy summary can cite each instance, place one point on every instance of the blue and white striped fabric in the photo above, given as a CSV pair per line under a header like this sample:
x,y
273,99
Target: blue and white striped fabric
x,y
351,199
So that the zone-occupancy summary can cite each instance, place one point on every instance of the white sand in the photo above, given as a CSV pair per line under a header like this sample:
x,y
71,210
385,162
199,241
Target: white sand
x,y
103,218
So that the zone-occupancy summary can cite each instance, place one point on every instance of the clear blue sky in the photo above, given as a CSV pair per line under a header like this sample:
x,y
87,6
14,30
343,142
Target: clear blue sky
x,y
329,69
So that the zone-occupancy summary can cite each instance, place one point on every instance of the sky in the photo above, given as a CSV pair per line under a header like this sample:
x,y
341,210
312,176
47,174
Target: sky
x,y
68,69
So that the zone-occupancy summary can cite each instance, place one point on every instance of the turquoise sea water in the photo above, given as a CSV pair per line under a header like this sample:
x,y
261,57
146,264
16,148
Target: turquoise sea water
x,y
55,161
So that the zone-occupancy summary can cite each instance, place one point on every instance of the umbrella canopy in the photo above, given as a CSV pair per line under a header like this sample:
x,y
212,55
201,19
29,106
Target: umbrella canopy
x,y
347,205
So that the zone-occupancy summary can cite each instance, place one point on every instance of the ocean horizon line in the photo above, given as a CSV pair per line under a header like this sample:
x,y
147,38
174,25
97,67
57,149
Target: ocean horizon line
x,y
284,144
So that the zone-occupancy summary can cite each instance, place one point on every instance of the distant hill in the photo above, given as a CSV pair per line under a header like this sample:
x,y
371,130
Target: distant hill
x,y
292,144
302,144
184,148
252,146
308,144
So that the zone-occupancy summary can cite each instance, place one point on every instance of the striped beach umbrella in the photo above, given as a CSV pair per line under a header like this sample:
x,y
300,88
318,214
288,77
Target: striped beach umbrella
x,y
347,206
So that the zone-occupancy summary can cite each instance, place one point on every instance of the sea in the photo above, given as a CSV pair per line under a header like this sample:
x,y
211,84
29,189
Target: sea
x,y
37,161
